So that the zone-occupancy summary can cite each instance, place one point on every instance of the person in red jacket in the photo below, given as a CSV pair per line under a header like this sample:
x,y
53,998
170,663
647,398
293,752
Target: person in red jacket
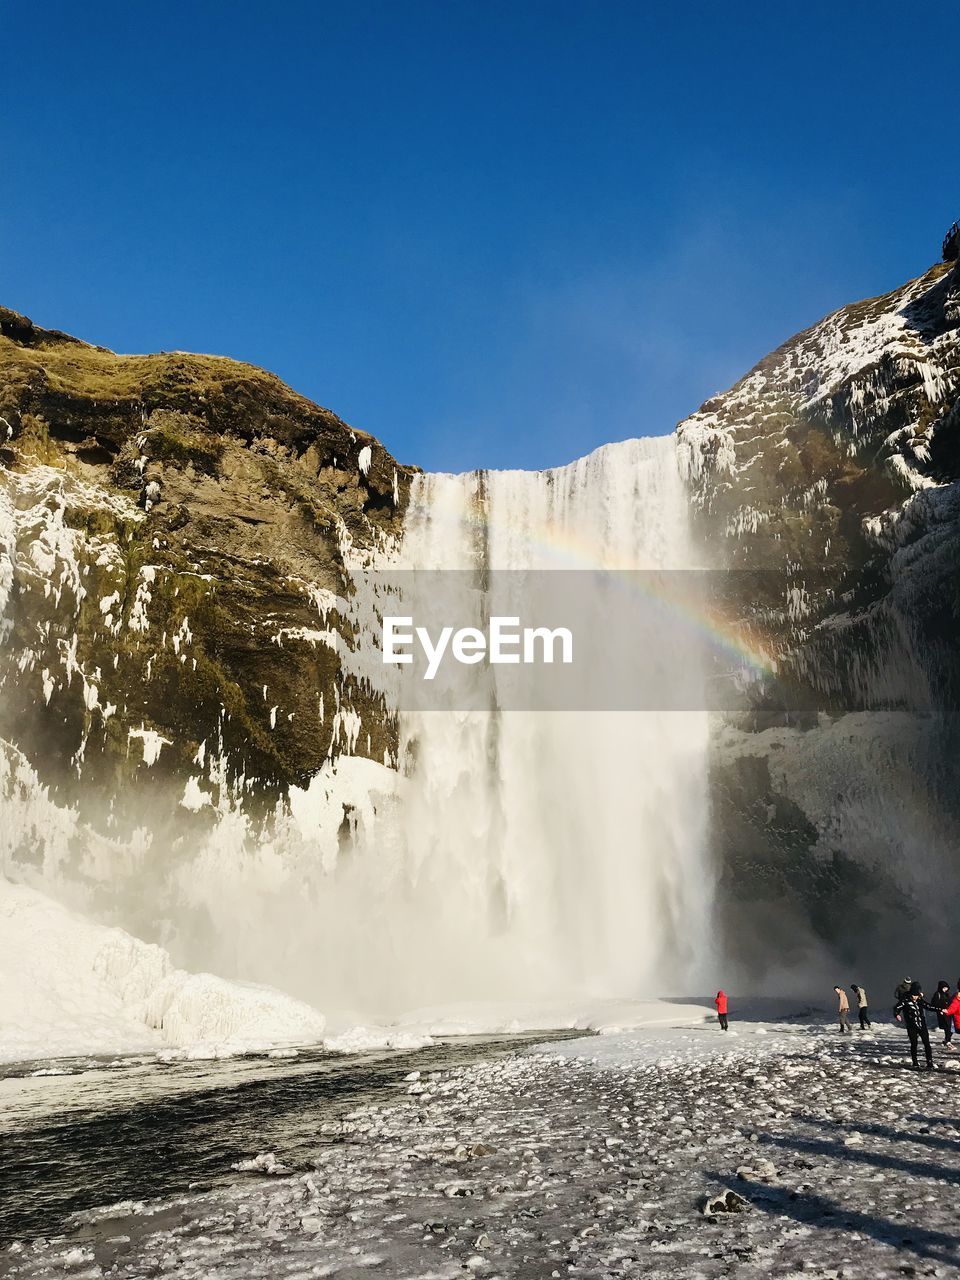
x,y
952,1010
721,1003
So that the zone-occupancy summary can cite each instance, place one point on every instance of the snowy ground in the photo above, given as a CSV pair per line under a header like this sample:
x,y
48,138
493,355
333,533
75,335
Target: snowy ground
x,y
589,1158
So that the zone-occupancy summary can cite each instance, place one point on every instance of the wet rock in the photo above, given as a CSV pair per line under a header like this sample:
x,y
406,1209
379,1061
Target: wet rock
x,y
725,1202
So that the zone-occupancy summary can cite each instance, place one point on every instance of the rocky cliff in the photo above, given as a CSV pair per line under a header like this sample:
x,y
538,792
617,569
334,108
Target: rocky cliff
x,y
828,481
184,522
175,536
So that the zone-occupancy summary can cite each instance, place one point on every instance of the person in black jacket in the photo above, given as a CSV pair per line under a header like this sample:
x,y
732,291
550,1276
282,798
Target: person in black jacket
x,y
941,998
910,1011
902,989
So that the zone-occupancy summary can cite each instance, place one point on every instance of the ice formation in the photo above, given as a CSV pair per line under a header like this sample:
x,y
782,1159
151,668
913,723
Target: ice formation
x,y
69,986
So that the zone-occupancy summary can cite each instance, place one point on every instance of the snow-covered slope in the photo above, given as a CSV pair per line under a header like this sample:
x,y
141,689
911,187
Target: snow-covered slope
x,y
877,380
69,986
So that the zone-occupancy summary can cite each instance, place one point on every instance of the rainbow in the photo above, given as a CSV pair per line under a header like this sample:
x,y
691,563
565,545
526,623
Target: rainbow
x,y
554,548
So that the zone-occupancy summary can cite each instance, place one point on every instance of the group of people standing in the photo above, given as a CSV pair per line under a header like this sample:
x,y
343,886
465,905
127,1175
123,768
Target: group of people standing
x,y
911,1009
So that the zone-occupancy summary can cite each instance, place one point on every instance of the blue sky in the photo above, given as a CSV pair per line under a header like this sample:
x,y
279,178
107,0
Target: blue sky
x,y
492,234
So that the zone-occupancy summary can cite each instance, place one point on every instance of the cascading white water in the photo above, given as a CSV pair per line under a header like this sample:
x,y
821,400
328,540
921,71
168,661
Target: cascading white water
x,y
561,853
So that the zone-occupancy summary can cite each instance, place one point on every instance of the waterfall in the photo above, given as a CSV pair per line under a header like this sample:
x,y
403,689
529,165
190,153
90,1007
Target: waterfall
x,y
547,855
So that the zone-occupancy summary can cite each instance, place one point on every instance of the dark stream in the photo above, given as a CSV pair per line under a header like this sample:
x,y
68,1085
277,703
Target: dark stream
x,y
145,1130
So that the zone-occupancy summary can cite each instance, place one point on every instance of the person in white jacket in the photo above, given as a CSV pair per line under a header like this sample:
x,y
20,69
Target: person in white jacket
x,y
843,1010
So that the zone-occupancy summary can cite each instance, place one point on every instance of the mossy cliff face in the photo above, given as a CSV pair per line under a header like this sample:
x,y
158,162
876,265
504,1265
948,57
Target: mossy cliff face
x,y
177,532
833,469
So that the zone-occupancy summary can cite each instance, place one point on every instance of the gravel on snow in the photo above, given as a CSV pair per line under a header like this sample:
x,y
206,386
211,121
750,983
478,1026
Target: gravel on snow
x,y
841,1161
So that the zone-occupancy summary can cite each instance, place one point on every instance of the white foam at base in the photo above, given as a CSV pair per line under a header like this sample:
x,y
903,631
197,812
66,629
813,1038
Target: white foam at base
x,y
70,986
